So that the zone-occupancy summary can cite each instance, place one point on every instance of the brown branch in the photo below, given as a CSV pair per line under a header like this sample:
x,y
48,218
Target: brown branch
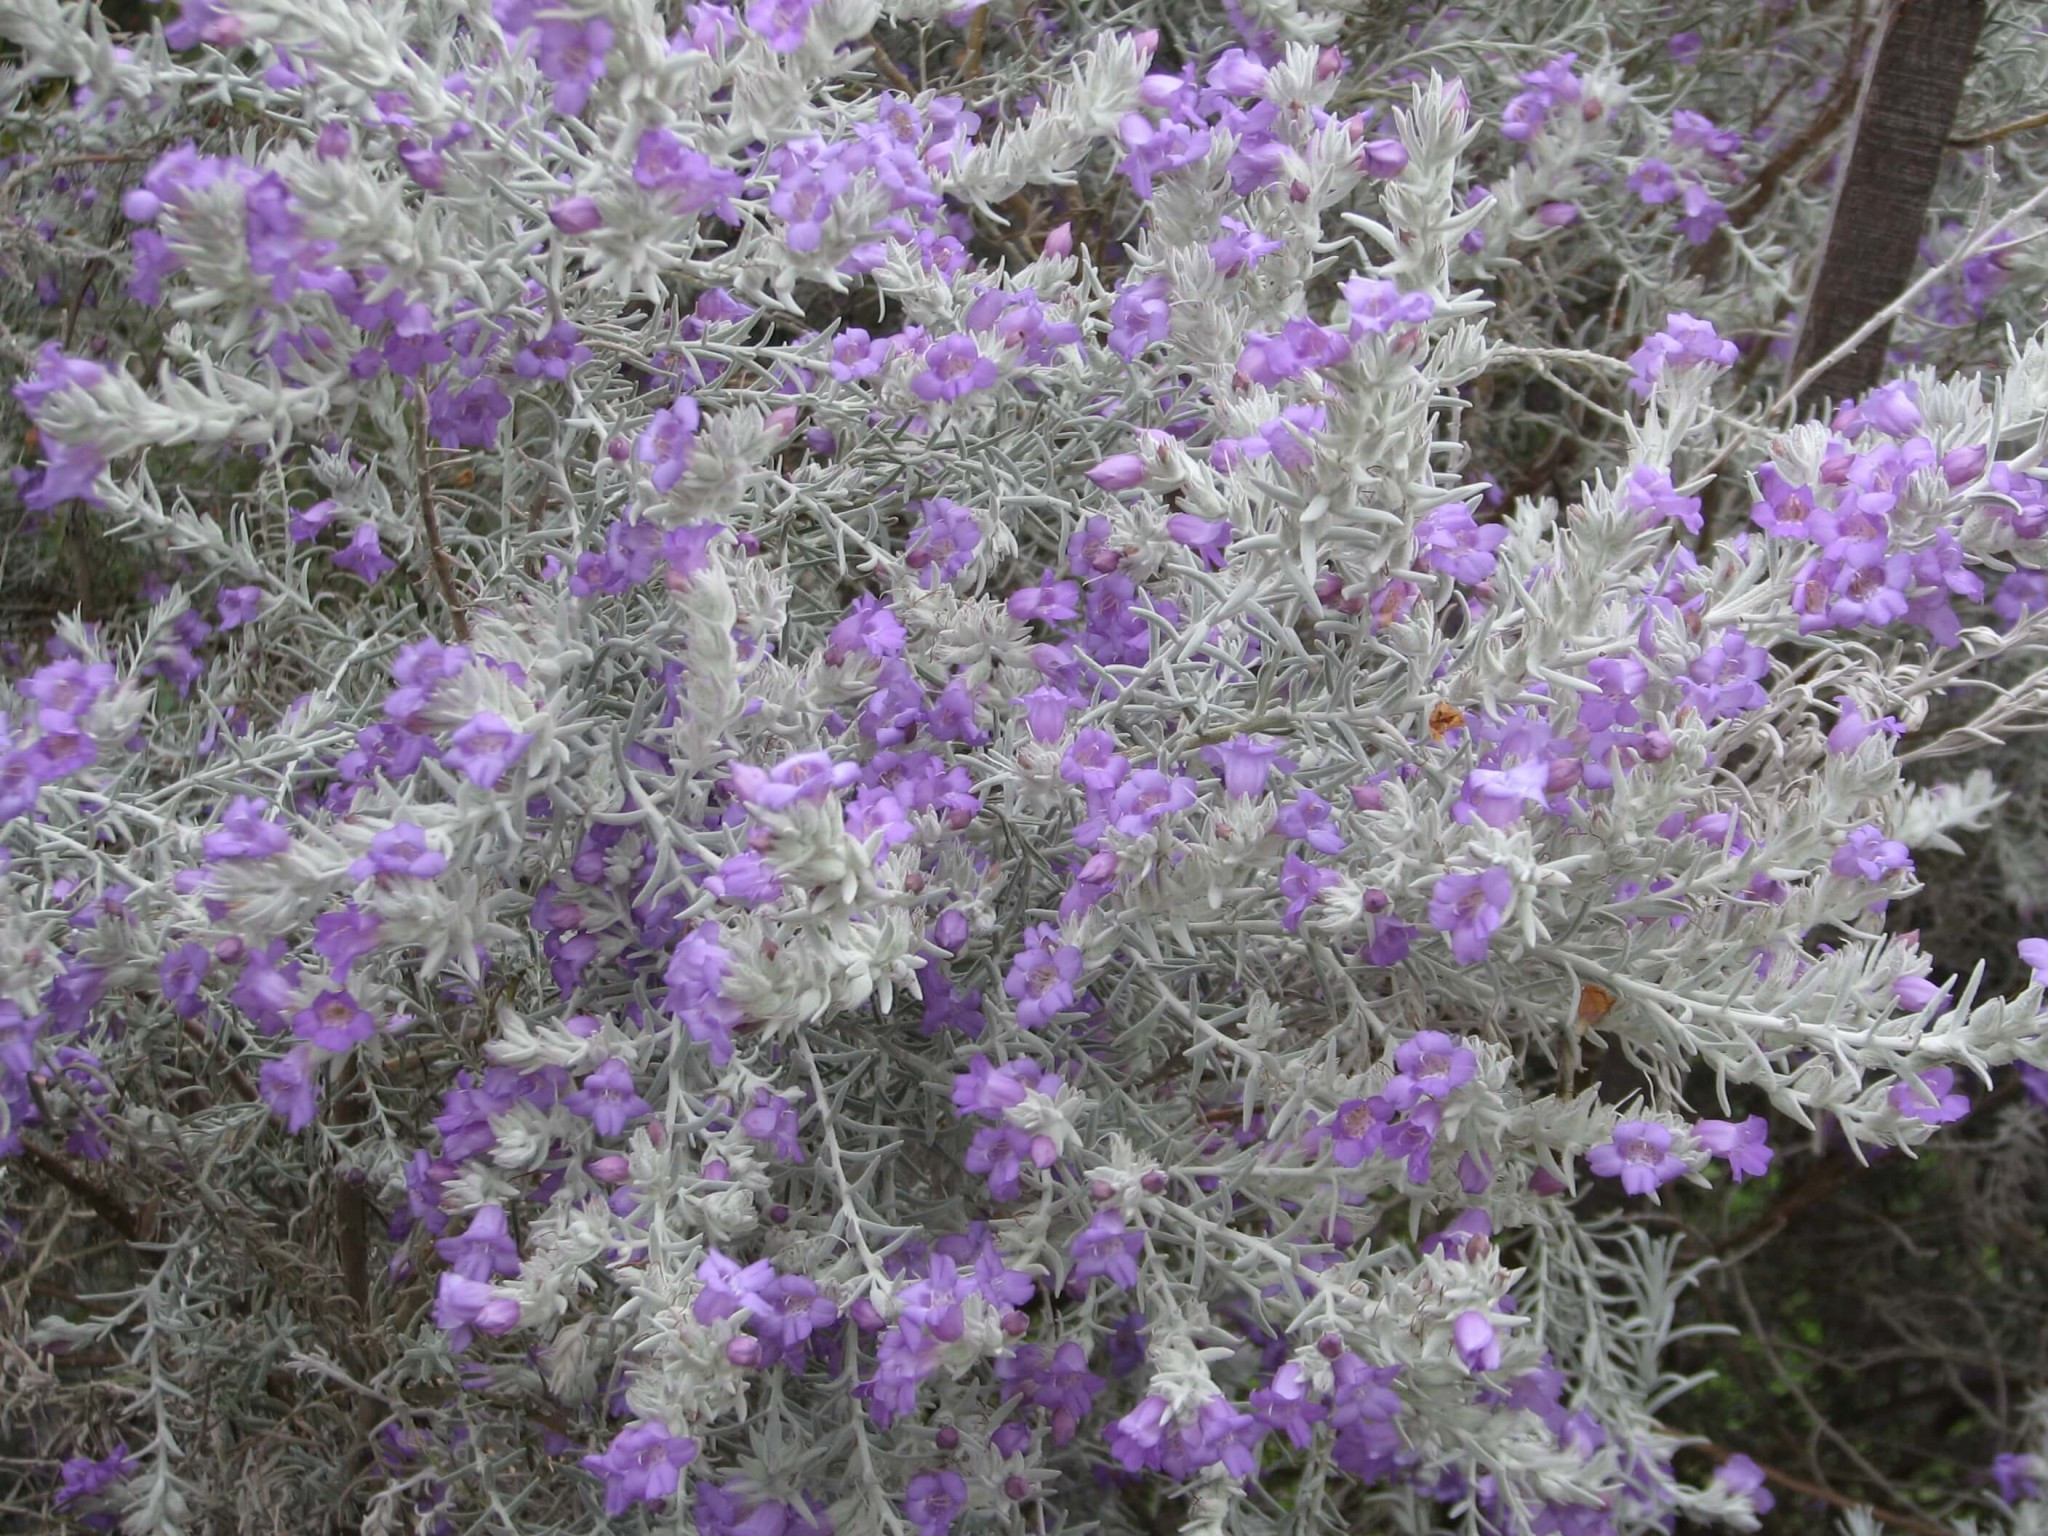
x,y
977,38
2006,131
1905,1522
887,66
104,1205
430,519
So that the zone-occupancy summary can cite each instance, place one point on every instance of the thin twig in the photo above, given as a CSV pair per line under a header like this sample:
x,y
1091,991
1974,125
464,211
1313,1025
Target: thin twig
x,y
430,519
2003,131
1783,1479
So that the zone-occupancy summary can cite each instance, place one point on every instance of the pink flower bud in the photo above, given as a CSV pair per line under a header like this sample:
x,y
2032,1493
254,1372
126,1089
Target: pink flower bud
x,y
1384,158
743,1351
1119,472
1016,1324
575,216
1059,243
612,1168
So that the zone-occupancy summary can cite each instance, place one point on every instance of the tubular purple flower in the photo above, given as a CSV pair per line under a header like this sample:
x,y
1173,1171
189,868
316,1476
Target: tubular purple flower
x,y
1469,906
1640,1156
1742,1146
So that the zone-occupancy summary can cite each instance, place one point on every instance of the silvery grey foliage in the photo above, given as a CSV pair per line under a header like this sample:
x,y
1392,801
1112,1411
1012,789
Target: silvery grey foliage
x,y
847,804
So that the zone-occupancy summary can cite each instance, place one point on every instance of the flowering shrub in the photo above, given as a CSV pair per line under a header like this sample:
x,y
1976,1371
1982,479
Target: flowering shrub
x,y
1040,909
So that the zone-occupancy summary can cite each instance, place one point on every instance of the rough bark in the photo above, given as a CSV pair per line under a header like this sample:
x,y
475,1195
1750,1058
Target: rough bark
x,y
1903,122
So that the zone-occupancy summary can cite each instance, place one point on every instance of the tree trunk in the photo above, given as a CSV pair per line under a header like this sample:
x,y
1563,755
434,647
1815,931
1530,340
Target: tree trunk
x,y
1903,121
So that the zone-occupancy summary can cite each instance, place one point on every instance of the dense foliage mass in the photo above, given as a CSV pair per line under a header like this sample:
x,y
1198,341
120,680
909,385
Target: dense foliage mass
x,y
835,766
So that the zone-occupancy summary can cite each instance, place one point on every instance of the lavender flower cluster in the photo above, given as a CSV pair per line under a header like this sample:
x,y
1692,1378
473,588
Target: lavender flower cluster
x,y
1000,917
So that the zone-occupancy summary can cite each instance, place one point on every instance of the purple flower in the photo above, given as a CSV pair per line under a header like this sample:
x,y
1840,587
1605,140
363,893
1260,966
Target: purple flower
x,y
1383,159
643,1465
1448,540
1105,1248
1147,798
945,541
1932,1100
1308,817
1469,906
463,1306
663,163
1744,1478
1430,1065
181,974
1207,537
2018,1477
1747,1153
334,1021
1498,796
2034,954
1139,316
245,832
1852,728
484,746
1702,214
694,973
485,1251
575,216
289,1086
666,441
729,1287
607,1099
1867,854
82,1480
1375,306
1724,679
773,1119
992,1090
467,418
1894,408
1653,182
934,1500
66,691
1649,493
305,526
1119,472
399,850
952,368
745,879
572,54
1685,342
1477,1343
1300,883
1288,1406
870,628
238,606
1356,1129
1246,763
1042,976
780,23
1240,248
1640,1156
363,556
808,778
554,354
